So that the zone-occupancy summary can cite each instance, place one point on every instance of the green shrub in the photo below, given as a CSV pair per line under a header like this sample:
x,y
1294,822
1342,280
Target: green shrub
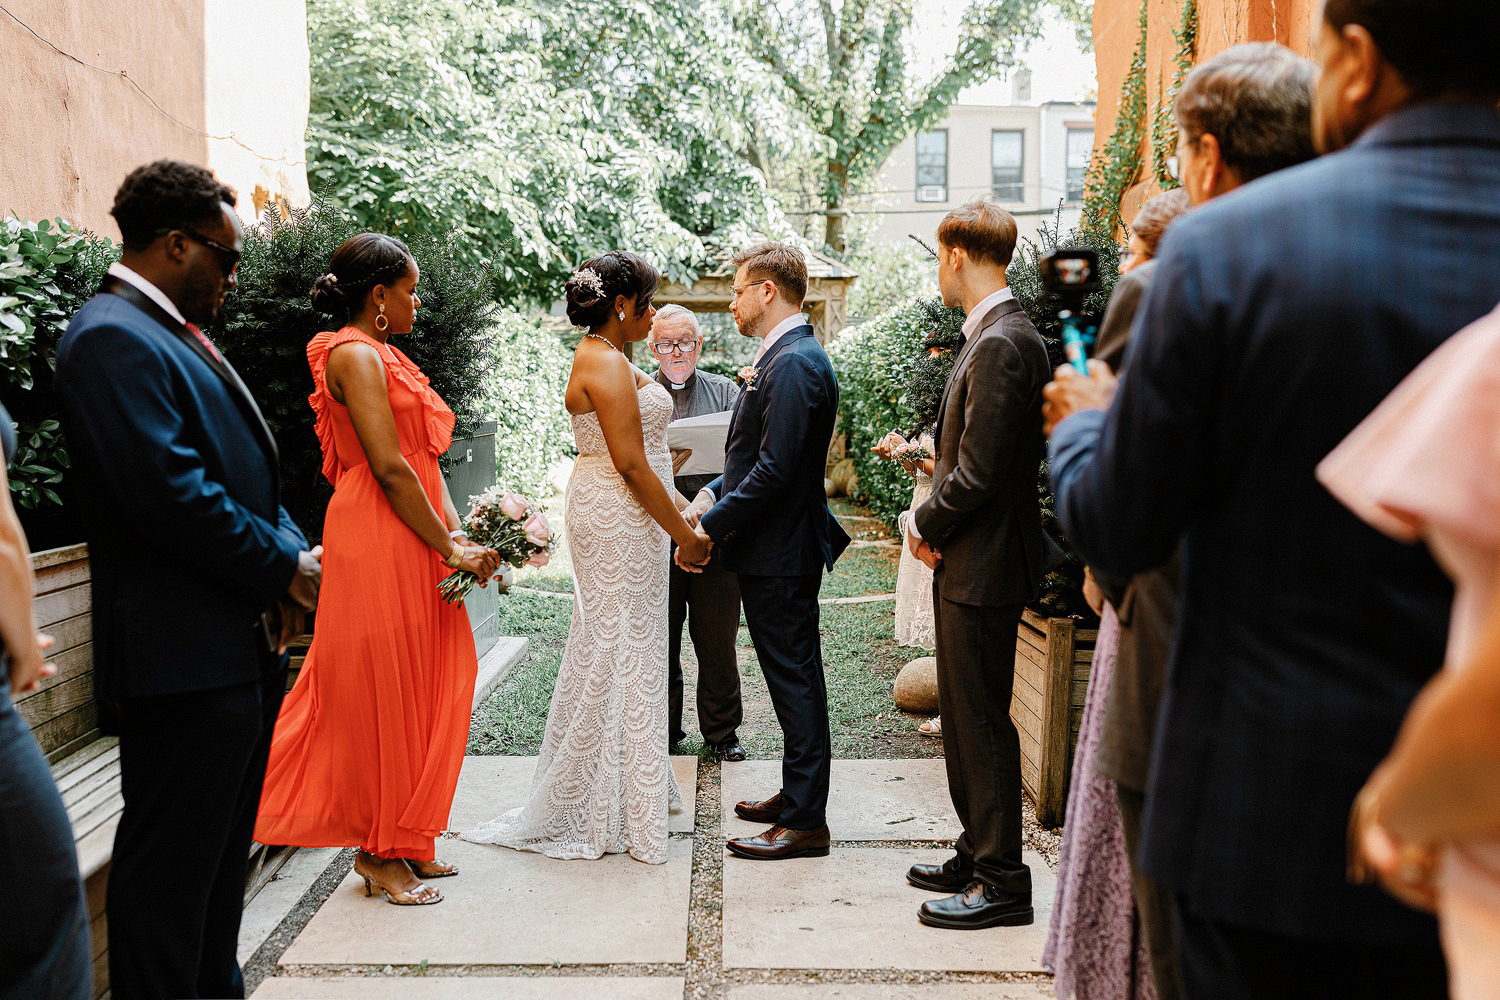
x,y
868,360
524,393
1062,588
266,323
48,269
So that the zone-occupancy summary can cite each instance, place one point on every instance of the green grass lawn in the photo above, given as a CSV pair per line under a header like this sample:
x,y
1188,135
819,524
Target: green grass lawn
x,y
860,655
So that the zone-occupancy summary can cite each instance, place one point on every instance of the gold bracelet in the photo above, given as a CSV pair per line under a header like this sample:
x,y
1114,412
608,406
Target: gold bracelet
x,y
455,557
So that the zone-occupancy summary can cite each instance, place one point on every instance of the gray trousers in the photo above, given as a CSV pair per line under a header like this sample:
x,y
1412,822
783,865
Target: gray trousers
x,y
709,602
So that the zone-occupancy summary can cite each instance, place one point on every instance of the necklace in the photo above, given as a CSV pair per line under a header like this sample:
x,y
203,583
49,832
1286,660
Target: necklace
x,y
599,336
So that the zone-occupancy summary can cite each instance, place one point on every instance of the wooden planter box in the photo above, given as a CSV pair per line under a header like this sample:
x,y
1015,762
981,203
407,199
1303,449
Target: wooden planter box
x,y
1053,657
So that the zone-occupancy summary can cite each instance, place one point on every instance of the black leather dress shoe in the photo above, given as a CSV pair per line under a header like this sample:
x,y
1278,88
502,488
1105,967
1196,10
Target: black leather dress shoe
x,y
768,811
731,750
953,875
779,844
979,905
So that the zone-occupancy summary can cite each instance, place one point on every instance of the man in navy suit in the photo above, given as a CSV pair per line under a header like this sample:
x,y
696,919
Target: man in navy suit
x,y
1281,314
199,580
770,519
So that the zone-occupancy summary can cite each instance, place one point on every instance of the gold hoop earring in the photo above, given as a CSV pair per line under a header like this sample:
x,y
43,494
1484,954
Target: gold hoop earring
x,y
381,323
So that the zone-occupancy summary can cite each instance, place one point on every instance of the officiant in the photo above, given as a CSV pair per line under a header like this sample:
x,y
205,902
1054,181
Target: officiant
x,y
709,602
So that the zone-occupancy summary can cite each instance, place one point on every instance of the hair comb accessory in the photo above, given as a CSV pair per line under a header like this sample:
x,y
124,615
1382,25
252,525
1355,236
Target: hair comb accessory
x,y
588,279
330,278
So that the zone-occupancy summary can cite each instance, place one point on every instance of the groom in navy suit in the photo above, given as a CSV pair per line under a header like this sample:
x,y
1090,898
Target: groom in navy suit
x,y
769,515
199,579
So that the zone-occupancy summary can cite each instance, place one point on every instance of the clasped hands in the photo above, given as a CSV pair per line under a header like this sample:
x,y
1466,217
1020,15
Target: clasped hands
x,y
1069,393
694,555
1404,869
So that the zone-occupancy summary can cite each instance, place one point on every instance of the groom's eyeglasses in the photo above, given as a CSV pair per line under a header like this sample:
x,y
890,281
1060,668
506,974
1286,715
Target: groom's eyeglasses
x,y
667,348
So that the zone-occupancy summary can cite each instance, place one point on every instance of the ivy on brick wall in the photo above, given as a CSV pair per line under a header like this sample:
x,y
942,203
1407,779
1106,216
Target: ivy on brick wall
x,y
1164,126
1117,166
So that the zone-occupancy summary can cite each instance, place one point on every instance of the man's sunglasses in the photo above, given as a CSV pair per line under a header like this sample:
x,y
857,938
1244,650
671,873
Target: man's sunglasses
x,y
229,257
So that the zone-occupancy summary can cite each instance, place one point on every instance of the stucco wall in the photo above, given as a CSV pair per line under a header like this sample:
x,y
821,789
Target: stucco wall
x,y
1221,24
69,133
256,91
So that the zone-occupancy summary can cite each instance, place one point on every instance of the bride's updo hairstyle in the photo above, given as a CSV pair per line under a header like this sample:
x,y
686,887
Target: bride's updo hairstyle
x,y
358,265
592,289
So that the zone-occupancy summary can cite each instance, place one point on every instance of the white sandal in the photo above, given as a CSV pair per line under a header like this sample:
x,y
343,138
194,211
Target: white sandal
x,y
932,727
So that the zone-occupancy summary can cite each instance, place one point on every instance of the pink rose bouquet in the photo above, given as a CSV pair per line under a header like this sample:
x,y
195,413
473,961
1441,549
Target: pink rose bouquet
x,y
510,523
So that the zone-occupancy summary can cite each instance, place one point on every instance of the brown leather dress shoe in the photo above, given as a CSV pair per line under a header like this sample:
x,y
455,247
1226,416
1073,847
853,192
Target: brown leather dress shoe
x,y
779,843
768,811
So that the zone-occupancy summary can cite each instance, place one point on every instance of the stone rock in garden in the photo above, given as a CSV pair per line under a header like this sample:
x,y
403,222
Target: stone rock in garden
x,y
916,686
829,488
844,479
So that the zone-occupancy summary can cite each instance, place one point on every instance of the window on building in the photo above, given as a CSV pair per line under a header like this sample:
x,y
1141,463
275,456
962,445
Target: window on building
x,y
1007,164
1080,149
932,165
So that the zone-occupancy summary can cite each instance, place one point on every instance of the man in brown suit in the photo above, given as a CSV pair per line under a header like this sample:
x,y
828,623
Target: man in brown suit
x,y
981,532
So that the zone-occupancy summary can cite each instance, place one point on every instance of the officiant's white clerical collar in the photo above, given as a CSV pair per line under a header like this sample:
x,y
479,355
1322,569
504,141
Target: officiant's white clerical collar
x,y
691,379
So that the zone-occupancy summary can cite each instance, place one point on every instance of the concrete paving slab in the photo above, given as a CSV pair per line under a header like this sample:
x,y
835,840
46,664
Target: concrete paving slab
x,y
867,799
892,991
855,910
488,786
513,908
470,988
276,899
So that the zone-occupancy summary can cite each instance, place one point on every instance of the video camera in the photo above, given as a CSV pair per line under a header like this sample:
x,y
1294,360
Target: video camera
x,y
1073,275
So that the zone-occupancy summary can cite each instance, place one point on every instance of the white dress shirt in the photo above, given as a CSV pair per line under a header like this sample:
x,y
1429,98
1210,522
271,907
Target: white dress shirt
x,y
147,289
777,332
970,329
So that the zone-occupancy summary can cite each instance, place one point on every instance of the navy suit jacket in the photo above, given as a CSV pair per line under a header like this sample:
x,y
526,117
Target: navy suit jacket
x,y
1279,317
176,470
772,516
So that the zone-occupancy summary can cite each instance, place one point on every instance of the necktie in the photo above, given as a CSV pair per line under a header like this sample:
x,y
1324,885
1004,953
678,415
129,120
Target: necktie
x,y
203,339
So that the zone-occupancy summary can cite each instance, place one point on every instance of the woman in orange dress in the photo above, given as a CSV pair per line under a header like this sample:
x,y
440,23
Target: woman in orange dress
x,y
371,738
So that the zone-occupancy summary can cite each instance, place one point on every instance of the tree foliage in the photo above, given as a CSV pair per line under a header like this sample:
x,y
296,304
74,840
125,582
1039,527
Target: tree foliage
x,y
849,71
535,136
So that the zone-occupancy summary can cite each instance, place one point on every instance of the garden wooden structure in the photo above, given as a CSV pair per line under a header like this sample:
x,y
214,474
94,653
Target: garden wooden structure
x,y
826,305
1053,659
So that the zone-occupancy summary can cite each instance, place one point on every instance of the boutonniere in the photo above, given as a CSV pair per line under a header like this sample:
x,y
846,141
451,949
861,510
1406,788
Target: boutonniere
x,y
747,377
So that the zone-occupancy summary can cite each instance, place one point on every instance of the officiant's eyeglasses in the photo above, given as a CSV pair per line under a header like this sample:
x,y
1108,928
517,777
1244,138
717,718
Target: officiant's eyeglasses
x,y
229,257
666,348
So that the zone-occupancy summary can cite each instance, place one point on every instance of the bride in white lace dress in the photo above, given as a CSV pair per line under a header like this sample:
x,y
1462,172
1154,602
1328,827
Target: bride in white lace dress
x,y
603,782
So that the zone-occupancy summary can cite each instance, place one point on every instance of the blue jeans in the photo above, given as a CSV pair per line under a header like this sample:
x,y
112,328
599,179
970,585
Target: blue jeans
x,y
44,944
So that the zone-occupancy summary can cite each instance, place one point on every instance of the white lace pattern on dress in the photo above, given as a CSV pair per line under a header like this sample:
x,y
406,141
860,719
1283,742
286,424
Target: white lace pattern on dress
x,y
603,782
914,617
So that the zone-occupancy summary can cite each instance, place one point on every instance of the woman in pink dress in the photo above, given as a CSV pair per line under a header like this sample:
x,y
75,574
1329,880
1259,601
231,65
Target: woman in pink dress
x,y
1425,466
